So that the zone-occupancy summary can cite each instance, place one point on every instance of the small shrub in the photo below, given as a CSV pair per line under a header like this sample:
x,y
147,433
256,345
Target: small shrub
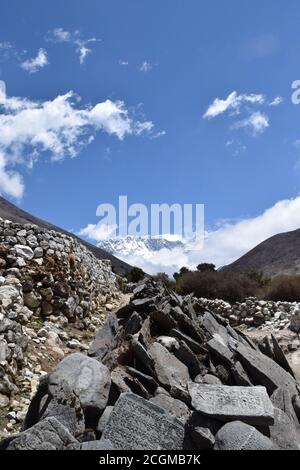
x,y
283,289
182,271
121,283
135,275
258,277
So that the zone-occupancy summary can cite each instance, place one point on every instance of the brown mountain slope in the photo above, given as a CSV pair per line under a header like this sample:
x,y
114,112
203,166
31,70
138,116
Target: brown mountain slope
x,y
279,254
11,212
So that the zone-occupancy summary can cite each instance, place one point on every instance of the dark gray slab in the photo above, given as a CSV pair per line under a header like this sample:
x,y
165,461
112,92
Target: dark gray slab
x,y
220,352
48,434
105,339
192,344
282,399
240,375
187,357
97,445
65,406
280,357
214,328
264,371
171,373
134,324
176,408
283,432
137,424
202,438
228,403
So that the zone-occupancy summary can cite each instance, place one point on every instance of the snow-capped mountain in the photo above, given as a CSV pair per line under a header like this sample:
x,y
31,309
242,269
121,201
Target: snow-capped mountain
x,y
138,246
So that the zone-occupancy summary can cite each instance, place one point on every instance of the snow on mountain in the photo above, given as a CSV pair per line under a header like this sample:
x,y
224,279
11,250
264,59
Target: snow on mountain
x,y
138,246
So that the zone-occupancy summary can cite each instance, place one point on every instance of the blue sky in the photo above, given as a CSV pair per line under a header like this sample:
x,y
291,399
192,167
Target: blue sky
x,y
167,62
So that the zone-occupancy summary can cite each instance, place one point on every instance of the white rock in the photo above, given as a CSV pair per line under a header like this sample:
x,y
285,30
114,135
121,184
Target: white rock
x,y
24,251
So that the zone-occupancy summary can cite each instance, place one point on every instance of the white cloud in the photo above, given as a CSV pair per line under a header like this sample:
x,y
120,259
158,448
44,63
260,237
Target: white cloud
x,y
221,246
10,181
2,89
257,123
98,232
232,240
159,134
145,67
36,63
59,35
245,111
56,127
276,101
123,62
232,102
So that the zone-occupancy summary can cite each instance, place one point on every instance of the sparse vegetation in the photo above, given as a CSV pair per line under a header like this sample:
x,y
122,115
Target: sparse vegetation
x,y
235,287
165,280
283,288
121,283
231,287
182,271
258,277
135,275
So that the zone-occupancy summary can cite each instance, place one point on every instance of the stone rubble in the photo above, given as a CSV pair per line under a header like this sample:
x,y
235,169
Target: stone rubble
x,y
165,373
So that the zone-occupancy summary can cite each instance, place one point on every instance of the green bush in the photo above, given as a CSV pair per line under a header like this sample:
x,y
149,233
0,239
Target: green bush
x,y
121,283
135,275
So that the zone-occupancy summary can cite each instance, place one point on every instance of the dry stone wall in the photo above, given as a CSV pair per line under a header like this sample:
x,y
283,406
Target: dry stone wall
x,y
54,294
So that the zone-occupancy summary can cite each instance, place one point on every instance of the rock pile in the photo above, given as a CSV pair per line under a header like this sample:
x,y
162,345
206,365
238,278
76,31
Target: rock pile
x,y
51,287
254,312
164,373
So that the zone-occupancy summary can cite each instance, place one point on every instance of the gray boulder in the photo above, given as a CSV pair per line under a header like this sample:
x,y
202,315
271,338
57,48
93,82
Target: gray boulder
x,y
88,378
241,436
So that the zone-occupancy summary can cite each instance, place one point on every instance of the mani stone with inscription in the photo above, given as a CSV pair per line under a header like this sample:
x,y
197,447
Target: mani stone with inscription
x,y
137,424
226,403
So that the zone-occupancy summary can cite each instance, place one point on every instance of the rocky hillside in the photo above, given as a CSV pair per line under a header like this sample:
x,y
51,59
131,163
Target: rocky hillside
x,y
9,211
276,255
54,294
164,373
